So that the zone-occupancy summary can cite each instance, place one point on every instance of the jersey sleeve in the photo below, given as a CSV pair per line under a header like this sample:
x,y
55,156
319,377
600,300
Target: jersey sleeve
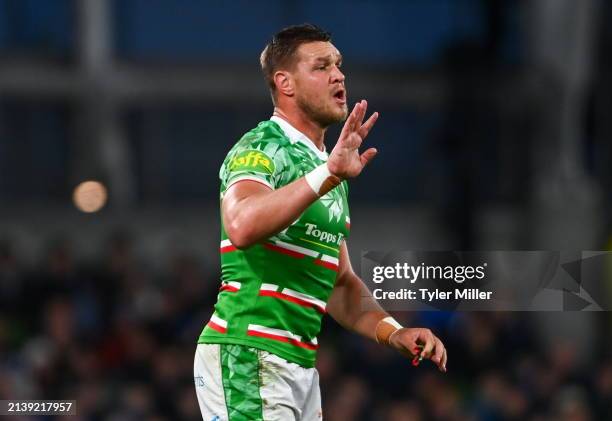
x,y
262,160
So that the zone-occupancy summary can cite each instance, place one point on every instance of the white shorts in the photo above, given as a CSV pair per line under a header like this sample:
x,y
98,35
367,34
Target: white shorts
x,y
240,383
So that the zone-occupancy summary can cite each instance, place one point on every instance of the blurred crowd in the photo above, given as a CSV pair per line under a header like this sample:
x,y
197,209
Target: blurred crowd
x,y
118,335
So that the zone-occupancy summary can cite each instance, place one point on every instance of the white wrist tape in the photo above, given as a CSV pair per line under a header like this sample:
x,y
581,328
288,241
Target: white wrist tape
x,y
392,322
385,328
321,180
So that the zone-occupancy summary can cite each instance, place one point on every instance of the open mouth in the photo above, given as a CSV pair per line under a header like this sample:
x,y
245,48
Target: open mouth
x,y
340,96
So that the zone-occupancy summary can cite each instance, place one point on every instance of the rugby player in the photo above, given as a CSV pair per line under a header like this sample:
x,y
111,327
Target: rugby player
x,y
284,258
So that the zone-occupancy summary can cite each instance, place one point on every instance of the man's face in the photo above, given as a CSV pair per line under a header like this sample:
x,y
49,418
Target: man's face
x,y
319,83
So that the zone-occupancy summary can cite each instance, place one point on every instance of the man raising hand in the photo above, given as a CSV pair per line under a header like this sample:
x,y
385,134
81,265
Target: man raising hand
x,y
284,258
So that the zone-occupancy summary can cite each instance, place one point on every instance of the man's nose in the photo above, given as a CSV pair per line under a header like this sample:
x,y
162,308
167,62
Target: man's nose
x,y
337,75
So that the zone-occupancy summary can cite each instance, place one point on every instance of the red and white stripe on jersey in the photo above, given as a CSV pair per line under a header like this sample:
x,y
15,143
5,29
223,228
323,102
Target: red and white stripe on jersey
x,y
249,178
305,300
291,249
230,286
327,261
227,246
282,336
217,324
347,222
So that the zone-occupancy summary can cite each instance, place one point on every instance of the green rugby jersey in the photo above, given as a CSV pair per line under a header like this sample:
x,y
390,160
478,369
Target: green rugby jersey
x,y
274,294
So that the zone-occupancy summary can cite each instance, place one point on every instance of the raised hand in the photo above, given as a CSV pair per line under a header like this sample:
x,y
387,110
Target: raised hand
x,y
345,160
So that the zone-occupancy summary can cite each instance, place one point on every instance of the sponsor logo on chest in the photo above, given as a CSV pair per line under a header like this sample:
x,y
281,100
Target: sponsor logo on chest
x,y
323,236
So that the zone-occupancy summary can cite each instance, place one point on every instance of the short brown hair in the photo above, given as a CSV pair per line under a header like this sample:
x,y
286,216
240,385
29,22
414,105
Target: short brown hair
x,y
280,51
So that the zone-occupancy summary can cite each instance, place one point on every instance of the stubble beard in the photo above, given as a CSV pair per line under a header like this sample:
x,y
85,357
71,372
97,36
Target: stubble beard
x,y
321,115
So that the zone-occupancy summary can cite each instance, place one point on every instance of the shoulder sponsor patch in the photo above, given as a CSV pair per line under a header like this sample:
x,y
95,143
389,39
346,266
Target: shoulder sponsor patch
x,y
252,160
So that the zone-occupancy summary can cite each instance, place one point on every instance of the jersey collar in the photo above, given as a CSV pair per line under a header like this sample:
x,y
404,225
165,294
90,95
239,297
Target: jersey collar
x,y
295,135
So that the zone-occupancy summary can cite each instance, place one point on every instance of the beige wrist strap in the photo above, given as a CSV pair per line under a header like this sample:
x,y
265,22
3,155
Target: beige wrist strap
x,y
385,328
321,180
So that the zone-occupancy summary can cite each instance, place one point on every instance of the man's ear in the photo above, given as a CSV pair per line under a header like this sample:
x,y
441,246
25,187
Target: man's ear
x,y
284,82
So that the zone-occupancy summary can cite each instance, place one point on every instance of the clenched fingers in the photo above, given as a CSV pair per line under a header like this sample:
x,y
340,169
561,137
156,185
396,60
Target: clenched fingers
x,y
438,354
433,349
427,339
444,359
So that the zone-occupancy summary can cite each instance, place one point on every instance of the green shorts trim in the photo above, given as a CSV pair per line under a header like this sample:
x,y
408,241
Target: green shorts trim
x,y
240,373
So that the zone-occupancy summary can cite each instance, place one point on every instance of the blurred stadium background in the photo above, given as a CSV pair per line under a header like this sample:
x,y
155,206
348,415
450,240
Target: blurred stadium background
x,y
494,134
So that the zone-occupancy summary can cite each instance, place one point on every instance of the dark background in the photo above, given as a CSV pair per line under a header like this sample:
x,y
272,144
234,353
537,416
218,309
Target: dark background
x,y
494,135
